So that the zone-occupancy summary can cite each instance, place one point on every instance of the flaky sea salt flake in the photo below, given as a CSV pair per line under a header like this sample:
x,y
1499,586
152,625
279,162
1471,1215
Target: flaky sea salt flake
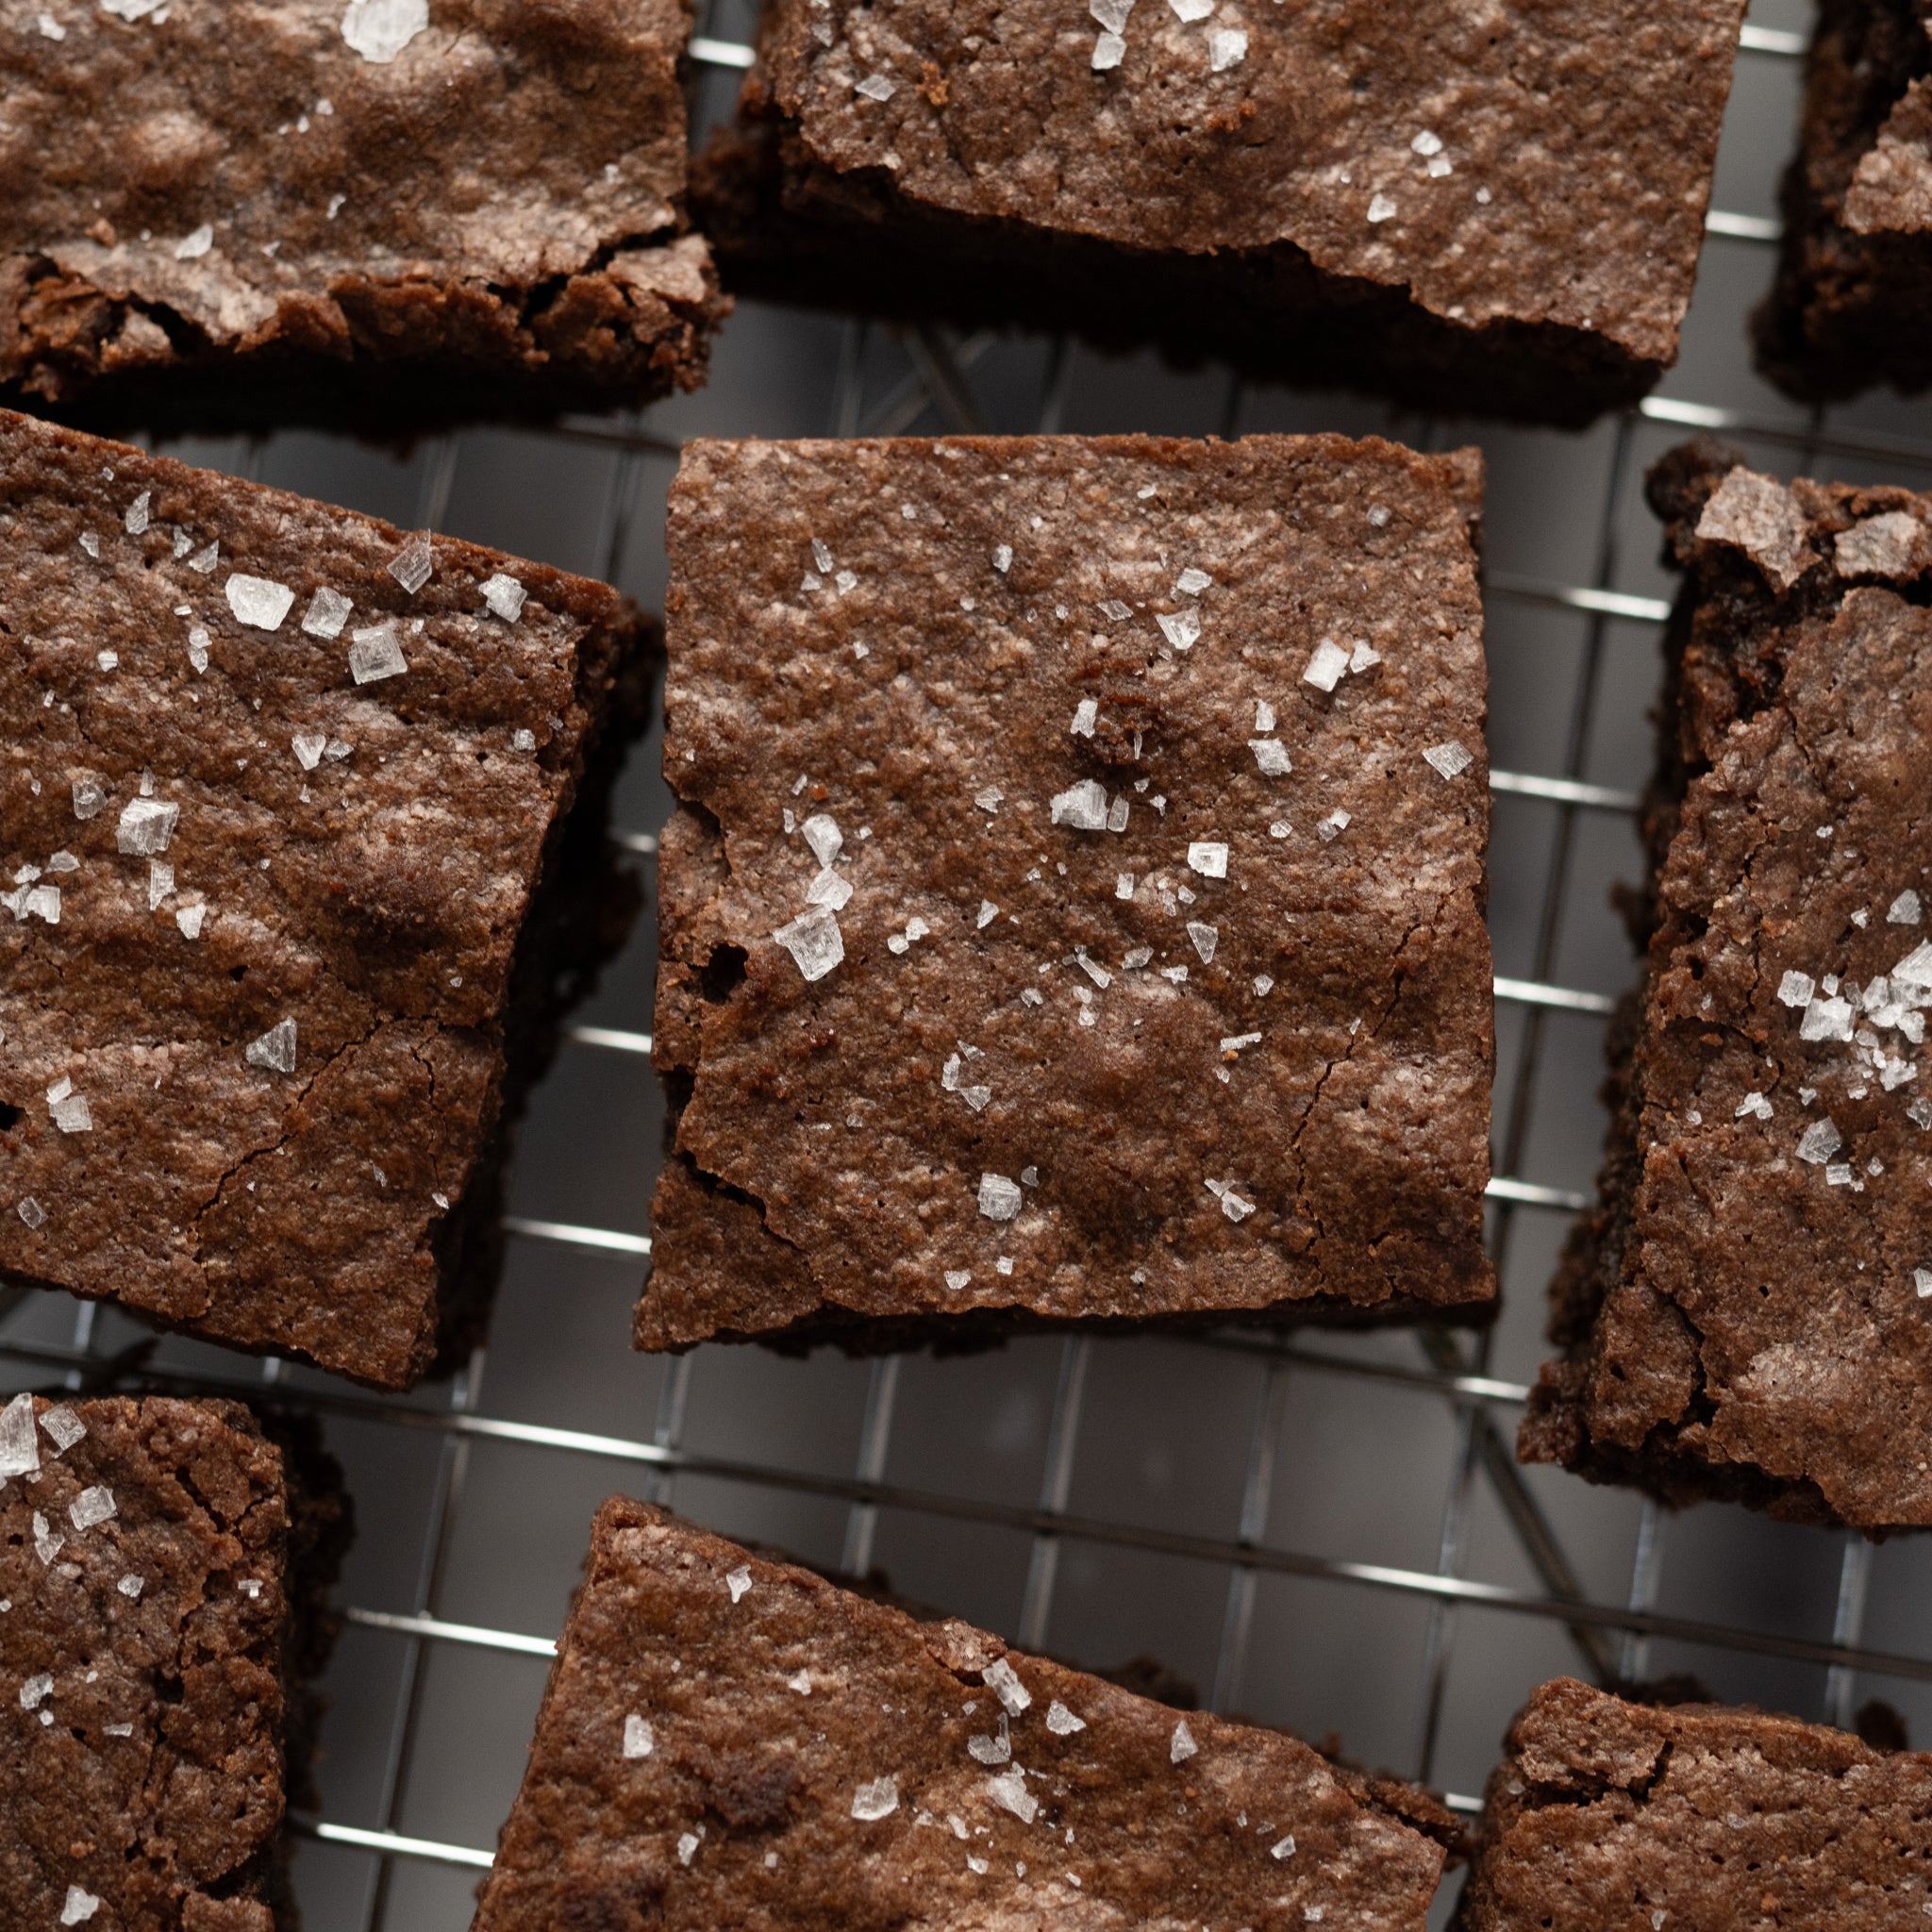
x,y
145,826
414,564
877,1800
1333,826
89,798
1008,1790
63,1427
738,1581
48,1542
1209,857
375,652
1270,755
1182,628
1181,1746
1381,209
1062,1721
988,913
79,1907
1206,938
502,596
1796,989
815,941
380,29
877,86
1282,1848
328,611
1915,969
309,747
94,1504
1449,759
1081,806
193,246
258,602
1227,48
31,1211
1754,1104
1110,50
1905,909
999,1198
188,919
19,1448
1820,1141
274,1051
1325,667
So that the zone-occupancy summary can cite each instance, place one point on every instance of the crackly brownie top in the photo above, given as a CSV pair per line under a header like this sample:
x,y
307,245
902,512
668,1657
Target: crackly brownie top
x,y
275,781
141,1662
1782,1229
1078,901
230,169
1608,1816
730,1741
1547,164
1891,181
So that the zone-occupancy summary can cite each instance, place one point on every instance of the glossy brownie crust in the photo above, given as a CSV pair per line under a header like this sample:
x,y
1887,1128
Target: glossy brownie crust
x,y
1100,1081
210,225
1610,1817
1745,1312
1855,278
191,1617
384,863
1473,210
814,1760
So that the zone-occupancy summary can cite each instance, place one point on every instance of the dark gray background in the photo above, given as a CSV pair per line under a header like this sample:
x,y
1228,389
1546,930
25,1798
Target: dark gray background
x,y
1344,1450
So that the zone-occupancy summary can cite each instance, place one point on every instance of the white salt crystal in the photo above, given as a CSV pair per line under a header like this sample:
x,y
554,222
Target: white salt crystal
x,y
1270,755
92,1505
999,1198
828,888
1449,759
1083,806
1206,938
877,86
1795,988
1381,209
414,564
188,919
19,1448
328,611
145,826
63,1426
193,246
258,601
1904,910
1009,1792
1110,50
375,653
89,798
738,1581
79,1907
1820,1141
1209,858
274,1050
1227,48
160,882
503,597
309,748
1085,715
1062,1721
1181,1746
815,941
1182,629
380,29
639,1740
820,832
1327,666
879,1799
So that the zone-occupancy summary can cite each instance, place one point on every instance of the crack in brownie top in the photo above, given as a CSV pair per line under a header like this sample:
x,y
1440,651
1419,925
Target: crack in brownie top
x,y
1077,902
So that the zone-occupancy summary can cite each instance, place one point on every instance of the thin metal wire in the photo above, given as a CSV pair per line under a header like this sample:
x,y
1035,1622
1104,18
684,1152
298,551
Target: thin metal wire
x,y
1257,1489
1056,1483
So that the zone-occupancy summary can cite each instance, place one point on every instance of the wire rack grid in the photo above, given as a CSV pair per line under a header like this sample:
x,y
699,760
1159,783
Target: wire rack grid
x,y
1327,1531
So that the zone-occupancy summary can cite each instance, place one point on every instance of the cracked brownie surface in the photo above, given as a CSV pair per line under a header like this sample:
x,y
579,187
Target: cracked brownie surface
x,y
401,211
728,1742
1747,1312
1612,1817
1074,905
279,786
1491,207
160,1563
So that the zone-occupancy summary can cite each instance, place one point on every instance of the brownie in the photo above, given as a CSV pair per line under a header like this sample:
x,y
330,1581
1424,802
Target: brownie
x,y
391,214
1615,1817
1073,908
1743,1312
1855,273
297,890
1496,209
730,1742
162,1565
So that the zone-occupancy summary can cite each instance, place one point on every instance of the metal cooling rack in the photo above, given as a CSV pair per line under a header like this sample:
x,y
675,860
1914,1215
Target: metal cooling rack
x,y
1327,1530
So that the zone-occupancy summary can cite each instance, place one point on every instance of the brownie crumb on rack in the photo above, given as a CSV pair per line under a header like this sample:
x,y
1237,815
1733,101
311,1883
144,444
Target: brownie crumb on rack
x,y
1614,1817
377,216
730,1740
301,855
1747,1312
162,1569
1849,305
1495,210
1075,906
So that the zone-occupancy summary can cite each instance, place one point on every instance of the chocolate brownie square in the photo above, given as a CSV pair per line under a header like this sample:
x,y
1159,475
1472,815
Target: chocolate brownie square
x,y
1615,1817
1855,276
395,212
1074,903
1745,1313
161,1570
1497,210
728,1741
296,891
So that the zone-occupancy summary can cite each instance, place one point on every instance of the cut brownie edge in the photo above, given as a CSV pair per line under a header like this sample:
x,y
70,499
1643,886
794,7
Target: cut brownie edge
x,y
621,329
787,229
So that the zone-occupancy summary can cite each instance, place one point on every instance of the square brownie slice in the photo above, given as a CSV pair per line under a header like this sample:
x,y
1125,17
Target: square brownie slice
x,y
1498,210
1856,273
728,1741
394,213
1614,1817
296,892
1074,905
1745,1312
162,1565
